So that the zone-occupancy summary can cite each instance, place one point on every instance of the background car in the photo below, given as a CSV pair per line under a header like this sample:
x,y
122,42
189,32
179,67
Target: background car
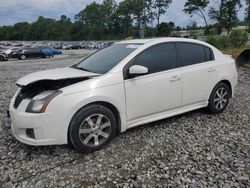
x,y
50,51
3,57
29,52
10,50
75,46
47,52
56,51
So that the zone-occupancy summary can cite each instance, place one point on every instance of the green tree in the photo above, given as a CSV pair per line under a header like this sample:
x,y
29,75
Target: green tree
x,y
42,29
93,18
197,7
77,31
91,15
109,8
150,7
239,38
139,11
161,8
62,29
165,29
226,15
156,8
20,31
123,19
5,32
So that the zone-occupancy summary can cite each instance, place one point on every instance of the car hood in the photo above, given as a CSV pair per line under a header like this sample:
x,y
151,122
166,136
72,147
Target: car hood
x,y
54,74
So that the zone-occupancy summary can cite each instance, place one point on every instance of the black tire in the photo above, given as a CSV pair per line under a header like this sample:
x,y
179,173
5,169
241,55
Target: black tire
x,y
1,58
22,57
213,106
76,138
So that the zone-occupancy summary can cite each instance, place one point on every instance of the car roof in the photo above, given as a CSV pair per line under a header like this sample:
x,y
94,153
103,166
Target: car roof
x,y
161,39
135,41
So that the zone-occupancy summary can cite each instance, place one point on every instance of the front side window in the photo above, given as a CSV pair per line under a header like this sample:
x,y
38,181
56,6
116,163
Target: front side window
x,y
158,58
104,60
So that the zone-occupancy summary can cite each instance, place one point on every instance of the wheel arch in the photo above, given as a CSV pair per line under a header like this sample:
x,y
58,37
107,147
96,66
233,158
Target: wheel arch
x,y
225,81
228,83
113,109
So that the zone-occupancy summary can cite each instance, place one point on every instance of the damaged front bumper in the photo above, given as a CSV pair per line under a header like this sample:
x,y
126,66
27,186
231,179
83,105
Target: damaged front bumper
x,y
37,129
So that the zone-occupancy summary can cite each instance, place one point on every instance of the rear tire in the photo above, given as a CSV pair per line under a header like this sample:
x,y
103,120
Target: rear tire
x,y
219,98
1,58
92,128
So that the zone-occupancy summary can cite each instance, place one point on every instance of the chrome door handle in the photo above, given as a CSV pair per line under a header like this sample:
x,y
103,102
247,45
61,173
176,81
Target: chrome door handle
x,y
211,69
175,79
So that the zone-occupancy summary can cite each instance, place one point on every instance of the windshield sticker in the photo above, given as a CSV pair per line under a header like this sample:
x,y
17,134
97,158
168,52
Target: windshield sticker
x,y
134,46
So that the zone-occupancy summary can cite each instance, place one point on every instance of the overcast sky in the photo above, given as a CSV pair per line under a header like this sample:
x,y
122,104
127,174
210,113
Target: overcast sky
x,y
12,11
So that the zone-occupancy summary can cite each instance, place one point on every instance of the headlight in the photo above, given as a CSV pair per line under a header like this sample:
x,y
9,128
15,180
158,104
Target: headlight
x,y
40,102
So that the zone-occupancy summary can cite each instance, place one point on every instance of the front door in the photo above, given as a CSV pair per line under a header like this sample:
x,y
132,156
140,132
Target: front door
x,y
158,91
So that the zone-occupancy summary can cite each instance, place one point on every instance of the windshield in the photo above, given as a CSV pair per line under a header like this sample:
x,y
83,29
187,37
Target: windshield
x,y
104,60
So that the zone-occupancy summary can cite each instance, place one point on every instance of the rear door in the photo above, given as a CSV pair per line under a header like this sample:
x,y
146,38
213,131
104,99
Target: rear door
x,y
37,52
199,72
30,52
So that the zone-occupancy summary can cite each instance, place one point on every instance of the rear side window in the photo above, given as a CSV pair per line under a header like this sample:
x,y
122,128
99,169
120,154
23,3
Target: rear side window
x,y
191,54
158,58
209,54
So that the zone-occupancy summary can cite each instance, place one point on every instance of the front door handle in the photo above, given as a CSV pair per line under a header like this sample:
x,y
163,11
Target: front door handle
x,y
211,69
175,79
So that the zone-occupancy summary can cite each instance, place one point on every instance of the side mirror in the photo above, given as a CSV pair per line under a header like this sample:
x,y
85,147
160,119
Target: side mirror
x,y
137,70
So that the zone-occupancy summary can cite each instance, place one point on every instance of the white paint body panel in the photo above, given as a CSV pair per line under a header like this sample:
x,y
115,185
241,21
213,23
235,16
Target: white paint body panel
x,y
155,93
54,74
139,100
198,82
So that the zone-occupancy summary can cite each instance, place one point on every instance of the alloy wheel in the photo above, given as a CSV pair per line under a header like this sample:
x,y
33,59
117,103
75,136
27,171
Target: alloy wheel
x,y
220,98
95,130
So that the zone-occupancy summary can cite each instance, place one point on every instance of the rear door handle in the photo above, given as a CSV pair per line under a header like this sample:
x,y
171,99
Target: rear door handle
x,y
211,69
175,79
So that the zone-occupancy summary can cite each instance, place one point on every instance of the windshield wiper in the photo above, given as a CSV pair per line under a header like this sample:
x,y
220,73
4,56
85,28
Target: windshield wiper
x,y
80,68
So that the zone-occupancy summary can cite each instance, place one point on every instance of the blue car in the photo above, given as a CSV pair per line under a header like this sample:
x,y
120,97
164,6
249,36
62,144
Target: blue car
x,y
51,51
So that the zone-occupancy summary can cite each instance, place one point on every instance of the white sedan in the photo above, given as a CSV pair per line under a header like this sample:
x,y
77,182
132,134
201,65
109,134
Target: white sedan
x,y
122,86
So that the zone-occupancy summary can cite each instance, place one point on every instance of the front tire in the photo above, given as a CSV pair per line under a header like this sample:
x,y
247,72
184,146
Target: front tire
x,y
22,57
92,128
219,98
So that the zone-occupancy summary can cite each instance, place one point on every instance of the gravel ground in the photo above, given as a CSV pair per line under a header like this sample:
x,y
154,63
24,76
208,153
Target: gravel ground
x,y
195,149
